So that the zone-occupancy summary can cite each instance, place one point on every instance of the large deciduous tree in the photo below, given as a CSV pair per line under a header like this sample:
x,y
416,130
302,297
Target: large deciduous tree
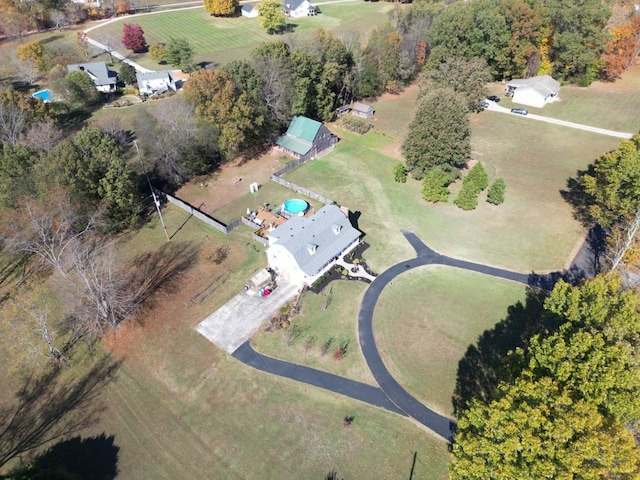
x,y
78,89
439,135
272,17
221,7
614,196
466,77
133,37
221,103
534,429
563,405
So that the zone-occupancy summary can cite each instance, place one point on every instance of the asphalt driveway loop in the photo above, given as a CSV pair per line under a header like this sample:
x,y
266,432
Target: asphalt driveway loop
x,y
238,319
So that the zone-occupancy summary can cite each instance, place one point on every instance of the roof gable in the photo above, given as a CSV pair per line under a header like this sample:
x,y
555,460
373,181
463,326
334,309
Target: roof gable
x,y
148,76
304,128
543,84
98,71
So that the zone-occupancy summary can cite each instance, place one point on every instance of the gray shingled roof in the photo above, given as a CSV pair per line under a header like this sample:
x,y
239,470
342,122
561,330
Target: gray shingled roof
x,y
159,75
544,84
303,235
99,70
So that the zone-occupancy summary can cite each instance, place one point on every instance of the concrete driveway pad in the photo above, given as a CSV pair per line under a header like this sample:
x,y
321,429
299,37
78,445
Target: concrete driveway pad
x,y
238,319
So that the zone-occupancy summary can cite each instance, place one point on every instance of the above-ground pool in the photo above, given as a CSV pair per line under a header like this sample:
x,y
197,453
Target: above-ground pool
x,y
44,95
295,206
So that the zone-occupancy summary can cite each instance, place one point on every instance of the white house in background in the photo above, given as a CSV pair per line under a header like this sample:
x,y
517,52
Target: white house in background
x,y
105,80
304,248
249,11
299,8
150,83
534,91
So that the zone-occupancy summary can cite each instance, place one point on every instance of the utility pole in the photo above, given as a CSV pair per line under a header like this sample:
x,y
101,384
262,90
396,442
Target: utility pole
x,y
153,193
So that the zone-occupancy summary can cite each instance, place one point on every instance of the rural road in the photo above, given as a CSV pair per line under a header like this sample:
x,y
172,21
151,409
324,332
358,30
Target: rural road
x,y
494,107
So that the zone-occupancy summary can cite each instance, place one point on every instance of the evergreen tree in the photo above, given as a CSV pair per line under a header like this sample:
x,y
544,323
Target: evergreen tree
x,y
434,185
496,192
399,173
179,53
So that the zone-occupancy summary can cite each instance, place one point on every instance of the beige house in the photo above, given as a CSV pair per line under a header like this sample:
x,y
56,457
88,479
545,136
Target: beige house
x,y
304,248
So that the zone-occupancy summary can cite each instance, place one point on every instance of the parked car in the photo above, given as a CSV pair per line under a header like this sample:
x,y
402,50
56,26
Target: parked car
x,y
520,111
485,105
494,98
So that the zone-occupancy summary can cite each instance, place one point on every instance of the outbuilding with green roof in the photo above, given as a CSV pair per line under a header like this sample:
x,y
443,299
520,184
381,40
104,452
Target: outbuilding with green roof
x,y
306,138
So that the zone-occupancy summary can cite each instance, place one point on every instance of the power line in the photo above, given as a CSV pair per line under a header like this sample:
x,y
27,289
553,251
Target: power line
x,y
153,193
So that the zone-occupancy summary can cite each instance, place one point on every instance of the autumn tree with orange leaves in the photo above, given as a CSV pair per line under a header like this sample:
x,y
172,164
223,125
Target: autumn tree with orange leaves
x,y
623,49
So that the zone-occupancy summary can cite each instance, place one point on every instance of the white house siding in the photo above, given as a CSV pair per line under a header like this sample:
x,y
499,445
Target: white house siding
x,y
530,97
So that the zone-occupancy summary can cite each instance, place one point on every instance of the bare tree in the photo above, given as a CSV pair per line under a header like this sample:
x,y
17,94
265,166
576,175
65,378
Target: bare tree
x,y
49,230
277,88
107,297
28,332
622,239
13,120
42,136
110,42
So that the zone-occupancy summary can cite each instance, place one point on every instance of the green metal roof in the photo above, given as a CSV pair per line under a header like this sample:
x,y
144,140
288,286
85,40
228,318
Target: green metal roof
x,y
304,128
293,144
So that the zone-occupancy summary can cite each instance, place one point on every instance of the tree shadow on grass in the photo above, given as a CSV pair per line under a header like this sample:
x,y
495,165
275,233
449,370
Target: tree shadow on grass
x,y
579,200
481,368
52,406
161,270
92,458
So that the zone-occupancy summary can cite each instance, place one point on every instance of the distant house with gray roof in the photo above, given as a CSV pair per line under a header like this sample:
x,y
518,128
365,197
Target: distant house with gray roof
x,y
304,248
305,138
152,83
105,80
534,91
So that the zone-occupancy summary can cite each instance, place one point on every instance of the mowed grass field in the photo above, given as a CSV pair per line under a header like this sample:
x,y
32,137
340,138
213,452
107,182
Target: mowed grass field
x,y
221,40
181,408
533,230
443,311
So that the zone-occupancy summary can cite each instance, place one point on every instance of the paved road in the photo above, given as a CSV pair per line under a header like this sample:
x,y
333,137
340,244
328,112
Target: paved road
x,y
494,107
334,383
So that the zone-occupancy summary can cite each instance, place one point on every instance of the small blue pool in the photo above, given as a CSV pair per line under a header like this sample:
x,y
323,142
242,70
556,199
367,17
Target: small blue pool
x,y
295,206
44,95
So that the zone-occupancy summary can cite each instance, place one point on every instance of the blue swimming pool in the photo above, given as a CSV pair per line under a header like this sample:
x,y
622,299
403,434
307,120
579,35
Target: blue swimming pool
x,y
44,95
295,206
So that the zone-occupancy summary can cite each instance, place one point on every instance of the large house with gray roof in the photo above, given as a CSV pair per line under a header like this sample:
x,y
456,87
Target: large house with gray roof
x,y
305,138
105,80
304,248
534,91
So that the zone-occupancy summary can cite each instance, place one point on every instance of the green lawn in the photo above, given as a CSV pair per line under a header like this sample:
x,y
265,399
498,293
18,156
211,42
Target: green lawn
x,y
425,321
221,40
535,158
322,321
